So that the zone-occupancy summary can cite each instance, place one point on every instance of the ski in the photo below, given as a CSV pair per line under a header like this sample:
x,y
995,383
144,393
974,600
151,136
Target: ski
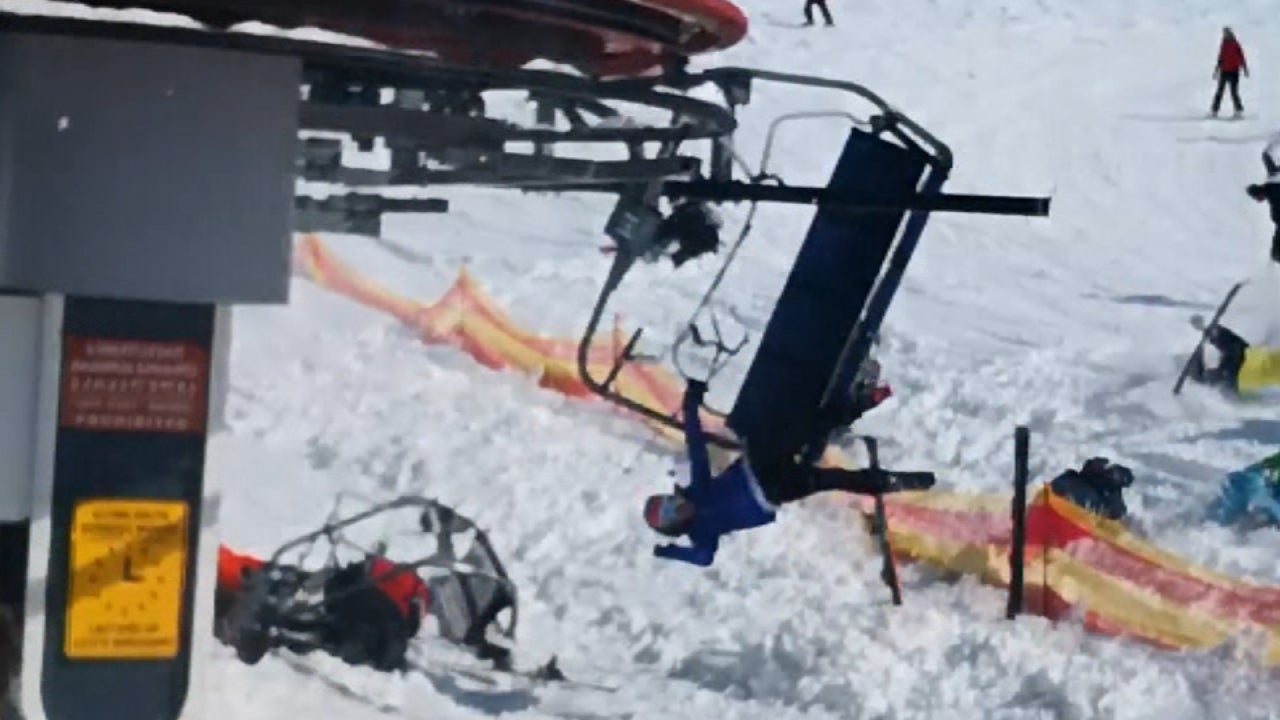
x,y
1204,335
880,530
545,675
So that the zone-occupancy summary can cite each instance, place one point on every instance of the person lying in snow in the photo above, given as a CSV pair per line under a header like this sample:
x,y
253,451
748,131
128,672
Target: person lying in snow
x,y
1240,368
1253,490
748,493
370,611
1096,487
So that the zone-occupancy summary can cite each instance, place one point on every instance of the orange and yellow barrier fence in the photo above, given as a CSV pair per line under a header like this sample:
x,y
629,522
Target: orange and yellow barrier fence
x,y
466,318
1076,562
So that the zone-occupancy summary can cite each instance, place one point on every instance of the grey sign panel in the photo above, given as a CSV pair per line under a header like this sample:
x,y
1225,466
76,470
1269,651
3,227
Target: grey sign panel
x,y
146,171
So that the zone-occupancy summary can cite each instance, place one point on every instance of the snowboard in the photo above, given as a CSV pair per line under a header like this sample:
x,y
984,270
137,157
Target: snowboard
x,y
545,675
1204,328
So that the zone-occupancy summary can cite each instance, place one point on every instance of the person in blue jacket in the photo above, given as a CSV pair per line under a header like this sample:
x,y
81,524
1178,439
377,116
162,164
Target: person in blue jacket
x,y
749,492
1253,490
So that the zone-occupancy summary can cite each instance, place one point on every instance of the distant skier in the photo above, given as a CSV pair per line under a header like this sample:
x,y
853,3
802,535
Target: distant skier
x,y
809,5
748,493
1241,368
1269,190
1231,62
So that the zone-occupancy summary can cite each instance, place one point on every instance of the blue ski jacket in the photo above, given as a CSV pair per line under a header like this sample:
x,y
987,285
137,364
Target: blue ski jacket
x,y
726,503
1252,490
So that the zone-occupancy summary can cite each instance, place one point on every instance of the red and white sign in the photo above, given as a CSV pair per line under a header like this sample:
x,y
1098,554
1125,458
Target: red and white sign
x,y
133,385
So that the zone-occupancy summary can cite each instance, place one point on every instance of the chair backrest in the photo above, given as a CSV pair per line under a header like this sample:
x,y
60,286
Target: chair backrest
x,y
835,296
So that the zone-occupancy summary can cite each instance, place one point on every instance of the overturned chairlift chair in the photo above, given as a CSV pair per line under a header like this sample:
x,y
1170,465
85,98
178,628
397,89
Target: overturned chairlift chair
x,y
869,220
286,602
870,216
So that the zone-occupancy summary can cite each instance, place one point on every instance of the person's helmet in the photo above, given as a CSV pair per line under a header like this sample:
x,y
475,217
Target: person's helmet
x,y
668,514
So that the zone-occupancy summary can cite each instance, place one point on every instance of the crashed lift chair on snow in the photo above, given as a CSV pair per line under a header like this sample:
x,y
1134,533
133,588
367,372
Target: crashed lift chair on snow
x,y
337,609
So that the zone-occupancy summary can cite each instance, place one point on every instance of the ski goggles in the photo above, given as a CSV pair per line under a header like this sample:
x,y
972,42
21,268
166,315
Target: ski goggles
x,y
662,511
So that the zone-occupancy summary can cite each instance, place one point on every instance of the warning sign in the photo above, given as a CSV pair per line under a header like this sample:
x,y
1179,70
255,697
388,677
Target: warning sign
x,y
128,564
133,385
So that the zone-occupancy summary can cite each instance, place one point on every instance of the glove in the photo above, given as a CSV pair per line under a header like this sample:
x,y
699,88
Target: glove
x,y
1257,192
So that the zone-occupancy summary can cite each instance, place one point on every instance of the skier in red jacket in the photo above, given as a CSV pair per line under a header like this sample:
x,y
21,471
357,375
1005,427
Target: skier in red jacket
x,y
1231,63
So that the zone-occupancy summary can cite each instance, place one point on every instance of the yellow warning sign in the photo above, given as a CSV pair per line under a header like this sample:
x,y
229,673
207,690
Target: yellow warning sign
x,y
128,565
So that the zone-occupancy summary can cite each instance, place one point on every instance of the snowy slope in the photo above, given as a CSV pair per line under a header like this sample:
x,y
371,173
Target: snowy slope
x,y
1074,325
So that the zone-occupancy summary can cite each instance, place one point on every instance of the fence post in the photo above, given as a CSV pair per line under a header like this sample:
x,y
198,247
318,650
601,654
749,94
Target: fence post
x,y
1018,541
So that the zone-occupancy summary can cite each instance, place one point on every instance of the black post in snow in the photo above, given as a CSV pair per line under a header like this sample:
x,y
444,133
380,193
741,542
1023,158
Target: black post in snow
x,y
1017,548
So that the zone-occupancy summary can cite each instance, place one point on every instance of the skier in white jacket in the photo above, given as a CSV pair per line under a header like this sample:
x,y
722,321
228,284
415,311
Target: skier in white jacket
x,y
1269,190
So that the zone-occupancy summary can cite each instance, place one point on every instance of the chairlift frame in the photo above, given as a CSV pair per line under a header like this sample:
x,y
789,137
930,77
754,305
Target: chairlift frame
x,y
263,587
735,84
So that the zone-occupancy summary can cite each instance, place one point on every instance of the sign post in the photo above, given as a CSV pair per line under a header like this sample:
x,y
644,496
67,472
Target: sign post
x,y
144,189
128,478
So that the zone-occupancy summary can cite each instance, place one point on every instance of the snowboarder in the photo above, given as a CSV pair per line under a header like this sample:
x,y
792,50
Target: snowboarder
x,y
821,5
1253,489
748,493
1231,63
1097,487
1241,367
1269,190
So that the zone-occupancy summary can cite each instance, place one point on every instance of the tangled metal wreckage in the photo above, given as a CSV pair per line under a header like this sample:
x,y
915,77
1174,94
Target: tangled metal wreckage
x,y
622,113
307,597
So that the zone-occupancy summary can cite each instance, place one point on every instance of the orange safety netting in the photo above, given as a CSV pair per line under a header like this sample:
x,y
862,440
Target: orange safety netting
x,y
466,318
1076,562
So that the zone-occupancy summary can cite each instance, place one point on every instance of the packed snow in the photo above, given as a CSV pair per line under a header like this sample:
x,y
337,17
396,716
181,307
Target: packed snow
x,y
1075,325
